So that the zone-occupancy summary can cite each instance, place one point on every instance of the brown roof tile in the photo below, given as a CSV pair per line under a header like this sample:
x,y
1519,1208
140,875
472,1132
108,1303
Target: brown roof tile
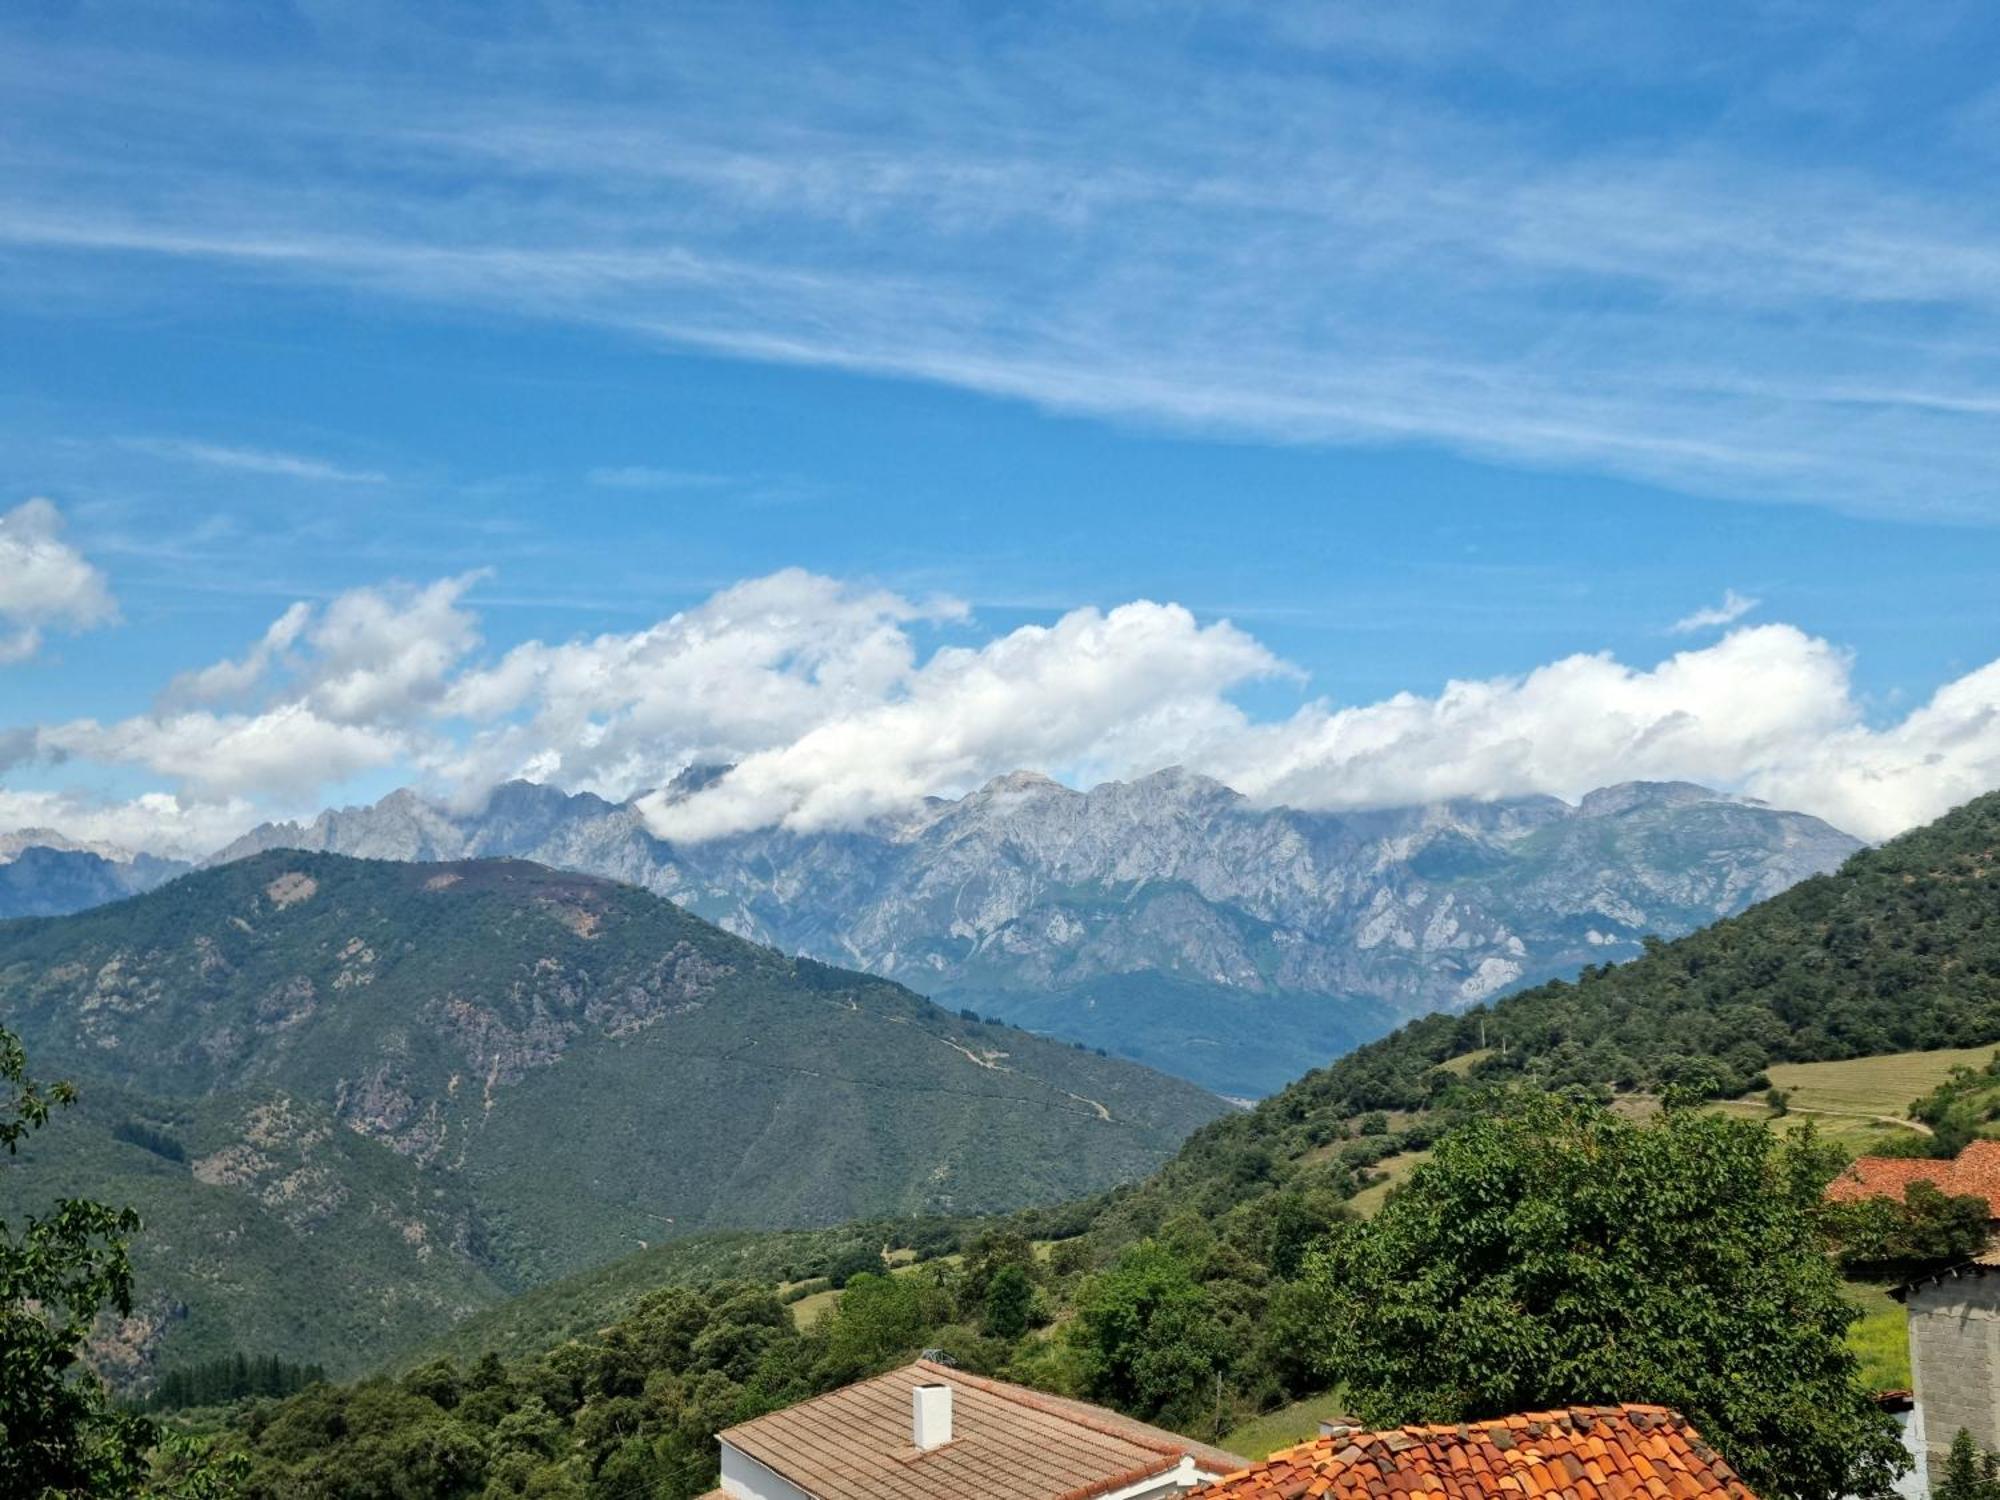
x,y
1584,1453
1008,1443
1975,1171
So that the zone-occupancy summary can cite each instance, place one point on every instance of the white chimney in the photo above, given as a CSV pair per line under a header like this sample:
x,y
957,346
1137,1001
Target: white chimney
x,y
930,1416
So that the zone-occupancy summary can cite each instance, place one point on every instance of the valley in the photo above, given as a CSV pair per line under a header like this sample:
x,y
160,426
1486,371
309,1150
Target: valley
x,y
1168,919
436,1084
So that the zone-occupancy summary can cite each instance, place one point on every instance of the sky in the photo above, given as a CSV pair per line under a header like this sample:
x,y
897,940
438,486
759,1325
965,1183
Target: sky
x,y
1363,404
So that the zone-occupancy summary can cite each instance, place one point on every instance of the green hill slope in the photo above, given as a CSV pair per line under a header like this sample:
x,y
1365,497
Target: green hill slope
x,y
1897,951
543,1071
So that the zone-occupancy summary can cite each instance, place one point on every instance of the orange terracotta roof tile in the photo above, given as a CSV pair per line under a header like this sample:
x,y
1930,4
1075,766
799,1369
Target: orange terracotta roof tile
x,y
1974,1172
1583,1453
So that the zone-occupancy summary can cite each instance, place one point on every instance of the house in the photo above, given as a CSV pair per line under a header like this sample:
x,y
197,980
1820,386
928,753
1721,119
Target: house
x,y
1583,1453
1953,1316
930,1432
1974,1172
1954,1326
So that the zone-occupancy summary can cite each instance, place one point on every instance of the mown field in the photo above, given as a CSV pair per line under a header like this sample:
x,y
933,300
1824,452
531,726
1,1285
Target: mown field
x,y
1864,1086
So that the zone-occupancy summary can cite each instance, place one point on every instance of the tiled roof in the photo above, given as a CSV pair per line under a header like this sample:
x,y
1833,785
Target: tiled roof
x,y
1975,1171
1008,1443
1584,1453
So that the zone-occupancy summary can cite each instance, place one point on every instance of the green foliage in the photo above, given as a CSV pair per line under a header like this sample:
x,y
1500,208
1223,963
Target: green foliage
x,y
1150,1340
632,1409
1961,1107
1552,1253
1898,950
428,1080
858,1261
1010,1302
60,1434
1881,1238
1200,1287
1968,1474
148,1138
215,1382
578,1305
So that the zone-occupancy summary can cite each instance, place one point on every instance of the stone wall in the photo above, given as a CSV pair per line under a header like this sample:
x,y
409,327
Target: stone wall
x,y
1955,1360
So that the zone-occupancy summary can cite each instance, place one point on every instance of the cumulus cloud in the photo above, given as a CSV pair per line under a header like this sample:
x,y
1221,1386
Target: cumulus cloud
x,y
757,665
231,679
1095,689
44,581
287,750
1734,606
836,704
387,655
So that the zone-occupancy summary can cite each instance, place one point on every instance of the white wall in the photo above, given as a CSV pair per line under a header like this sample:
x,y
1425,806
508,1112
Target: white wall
x,y
1176,1481
746,1479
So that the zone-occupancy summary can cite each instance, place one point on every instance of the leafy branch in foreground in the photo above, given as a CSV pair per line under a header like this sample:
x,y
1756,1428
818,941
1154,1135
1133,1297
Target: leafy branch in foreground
x,y
60,1435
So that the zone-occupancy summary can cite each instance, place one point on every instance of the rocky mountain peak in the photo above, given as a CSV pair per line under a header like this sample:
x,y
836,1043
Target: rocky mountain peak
x,y
1016,786
1174,889
691,779
1630,796
16,843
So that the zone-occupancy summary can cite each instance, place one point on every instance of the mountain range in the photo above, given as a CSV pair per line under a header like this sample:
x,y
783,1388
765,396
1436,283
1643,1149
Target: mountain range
x,y
355,1100
45,874
1896,951
1169,918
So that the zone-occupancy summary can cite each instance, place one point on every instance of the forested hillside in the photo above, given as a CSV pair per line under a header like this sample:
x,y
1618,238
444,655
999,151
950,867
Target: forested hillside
x,y
360,1099
1898,950
1189,1298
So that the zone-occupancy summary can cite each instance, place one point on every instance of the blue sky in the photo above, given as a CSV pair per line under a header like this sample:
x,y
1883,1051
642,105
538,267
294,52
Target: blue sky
x,y
1404,344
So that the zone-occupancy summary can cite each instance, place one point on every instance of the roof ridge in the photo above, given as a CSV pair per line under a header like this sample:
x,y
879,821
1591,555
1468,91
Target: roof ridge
x,y
823,1396
1367,1438
1034,1401
1539,1448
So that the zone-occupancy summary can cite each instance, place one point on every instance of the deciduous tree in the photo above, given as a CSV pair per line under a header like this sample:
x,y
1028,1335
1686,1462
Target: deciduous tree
x,y
1554,1253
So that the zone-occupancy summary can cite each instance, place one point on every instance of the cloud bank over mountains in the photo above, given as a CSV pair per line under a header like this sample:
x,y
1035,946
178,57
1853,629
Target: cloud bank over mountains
x,y
839,702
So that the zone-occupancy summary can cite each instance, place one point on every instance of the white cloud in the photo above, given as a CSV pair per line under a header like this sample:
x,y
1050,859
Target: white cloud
x,y
1117,217
1734,606
154,822
286,751
386,655
1093,689
257,461
835,709
231,679
44,581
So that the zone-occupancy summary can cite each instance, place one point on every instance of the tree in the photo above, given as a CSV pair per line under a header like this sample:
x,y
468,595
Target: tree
x,y
1149,1340
1968,1473
878,1321
1884,1236
1554,1254
1010,1302
59,1433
